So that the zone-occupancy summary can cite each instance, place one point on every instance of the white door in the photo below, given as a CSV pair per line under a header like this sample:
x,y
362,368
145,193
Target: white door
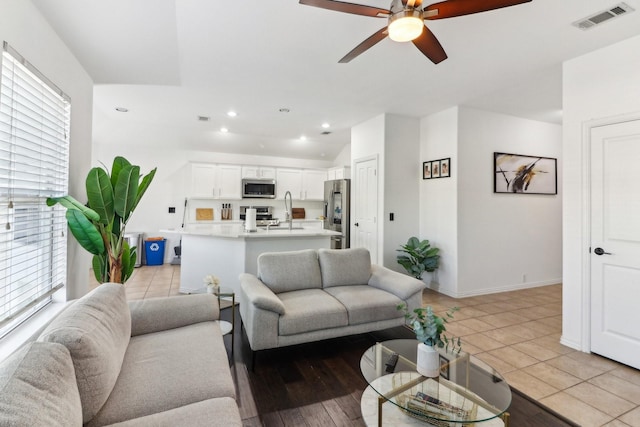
x,y
615,242
364,195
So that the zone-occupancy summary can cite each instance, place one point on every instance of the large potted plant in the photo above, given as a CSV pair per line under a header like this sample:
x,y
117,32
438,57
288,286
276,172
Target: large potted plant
x,y
418,256
99,225
430,331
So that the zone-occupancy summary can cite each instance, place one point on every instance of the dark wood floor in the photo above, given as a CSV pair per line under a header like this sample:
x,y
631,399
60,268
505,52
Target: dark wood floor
x,y
319,384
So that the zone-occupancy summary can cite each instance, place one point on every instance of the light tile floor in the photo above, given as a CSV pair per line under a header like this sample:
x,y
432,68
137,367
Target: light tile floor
x,y
518,333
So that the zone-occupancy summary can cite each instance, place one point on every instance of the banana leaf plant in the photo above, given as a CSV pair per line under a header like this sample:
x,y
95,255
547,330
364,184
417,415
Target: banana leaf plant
x,y
99,226
418,257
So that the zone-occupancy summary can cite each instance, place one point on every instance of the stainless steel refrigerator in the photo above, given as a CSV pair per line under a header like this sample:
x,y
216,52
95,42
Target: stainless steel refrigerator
x,y
337,194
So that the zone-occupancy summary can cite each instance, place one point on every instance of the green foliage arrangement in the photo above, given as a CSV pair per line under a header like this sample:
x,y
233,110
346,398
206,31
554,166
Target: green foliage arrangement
x,y
99,226
418,257
430,328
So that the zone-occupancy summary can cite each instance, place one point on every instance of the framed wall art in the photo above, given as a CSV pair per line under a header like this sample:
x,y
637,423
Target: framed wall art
x,y
523,174
440,168
426,170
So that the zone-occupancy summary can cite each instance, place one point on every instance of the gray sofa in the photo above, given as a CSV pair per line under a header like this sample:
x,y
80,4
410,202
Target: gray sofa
x,y
104,361
309,295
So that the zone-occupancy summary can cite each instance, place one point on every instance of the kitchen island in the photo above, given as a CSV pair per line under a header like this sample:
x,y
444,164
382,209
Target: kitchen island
x,y
227,250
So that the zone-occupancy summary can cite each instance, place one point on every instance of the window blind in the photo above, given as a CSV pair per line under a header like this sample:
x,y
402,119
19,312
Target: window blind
x,y
34,164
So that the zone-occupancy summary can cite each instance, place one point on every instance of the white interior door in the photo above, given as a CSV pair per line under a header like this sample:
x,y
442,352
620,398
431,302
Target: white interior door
x,y
615,242
365,210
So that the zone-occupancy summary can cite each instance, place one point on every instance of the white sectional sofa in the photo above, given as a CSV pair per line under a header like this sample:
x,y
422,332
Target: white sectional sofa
x,y
311,295
103,361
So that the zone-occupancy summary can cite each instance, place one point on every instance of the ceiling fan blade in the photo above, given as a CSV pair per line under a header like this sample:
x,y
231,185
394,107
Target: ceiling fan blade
x,y
362,47
451,8
356,9
430,46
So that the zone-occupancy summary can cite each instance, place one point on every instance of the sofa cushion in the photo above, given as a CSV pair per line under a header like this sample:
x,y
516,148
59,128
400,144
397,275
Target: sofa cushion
x,y
342,267
219,412
38,387
310,310
290,271
96,331
168,369
366,304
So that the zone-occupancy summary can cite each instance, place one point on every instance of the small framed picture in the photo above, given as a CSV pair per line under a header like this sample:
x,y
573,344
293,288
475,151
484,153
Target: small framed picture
x,y
444,367
435,169
426,170
445,167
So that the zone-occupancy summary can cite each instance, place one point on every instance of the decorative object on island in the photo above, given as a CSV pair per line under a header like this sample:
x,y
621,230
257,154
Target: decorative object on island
x,y
213,284
517,173
430,331
99,226
420,257
440,168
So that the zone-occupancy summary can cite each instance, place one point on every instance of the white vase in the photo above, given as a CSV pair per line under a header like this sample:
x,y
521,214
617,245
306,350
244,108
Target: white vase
x,y
210,289
428,361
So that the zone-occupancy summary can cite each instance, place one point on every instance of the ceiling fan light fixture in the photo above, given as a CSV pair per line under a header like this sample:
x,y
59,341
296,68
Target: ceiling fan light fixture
x,y
406,25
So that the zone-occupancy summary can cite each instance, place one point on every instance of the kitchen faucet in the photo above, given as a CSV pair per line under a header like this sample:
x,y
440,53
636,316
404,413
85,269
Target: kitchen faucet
x,y
288,210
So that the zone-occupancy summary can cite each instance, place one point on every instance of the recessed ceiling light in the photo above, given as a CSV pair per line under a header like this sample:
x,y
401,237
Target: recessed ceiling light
x,y
284,110
232,113
122,110
224,130
321,154
326,125
303,138
261,145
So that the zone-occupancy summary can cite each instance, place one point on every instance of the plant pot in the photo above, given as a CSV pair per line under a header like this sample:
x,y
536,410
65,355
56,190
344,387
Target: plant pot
x,y
211,289
428,361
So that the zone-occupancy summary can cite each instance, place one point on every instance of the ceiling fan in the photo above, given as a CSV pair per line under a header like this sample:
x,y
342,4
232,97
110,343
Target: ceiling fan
x,y
406,21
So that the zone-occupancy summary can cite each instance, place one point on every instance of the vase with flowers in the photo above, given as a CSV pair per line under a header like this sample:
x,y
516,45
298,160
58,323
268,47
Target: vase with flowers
x,y
430,331
213,284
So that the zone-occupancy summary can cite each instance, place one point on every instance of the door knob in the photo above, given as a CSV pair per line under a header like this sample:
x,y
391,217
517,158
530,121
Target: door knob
x,y
356,224
600,251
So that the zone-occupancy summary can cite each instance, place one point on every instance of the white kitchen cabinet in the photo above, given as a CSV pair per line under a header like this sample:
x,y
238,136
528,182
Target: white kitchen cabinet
x,y
258,172
216,181
313,184
338,173
229,182
289,180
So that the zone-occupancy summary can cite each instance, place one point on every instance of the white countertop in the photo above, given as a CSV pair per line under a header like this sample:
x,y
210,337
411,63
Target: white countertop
x,y
237,231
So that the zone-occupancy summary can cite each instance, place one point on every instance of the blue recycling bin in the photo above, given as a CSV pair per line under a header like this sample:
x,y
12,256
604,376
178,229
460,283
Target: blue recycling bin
x,y
154,249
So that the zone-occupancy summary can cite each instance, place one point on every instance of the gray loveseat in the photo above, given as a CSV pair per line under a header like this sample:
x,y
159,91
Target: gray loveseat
x,y
311,295
103,361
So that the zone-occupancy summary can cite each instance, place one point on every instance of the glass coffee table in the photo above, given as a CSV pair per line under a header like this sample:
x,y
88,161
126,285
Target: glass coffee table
x,y
468,390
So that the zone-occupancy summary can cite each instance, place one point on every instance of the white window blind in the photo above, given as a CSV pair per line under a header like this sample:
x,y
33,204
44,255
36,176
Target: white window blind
x,y
34,164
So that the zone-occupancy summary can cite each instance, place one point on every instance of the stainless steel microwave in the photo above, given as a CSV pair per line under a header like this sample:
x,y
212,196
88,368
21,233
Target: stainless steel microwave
x,y
256,188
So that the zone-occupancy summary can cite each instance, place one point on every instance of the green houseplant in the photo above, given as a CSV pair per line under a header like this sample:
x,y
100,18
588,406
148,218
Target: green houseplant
x,y
430,331
99,226
418,256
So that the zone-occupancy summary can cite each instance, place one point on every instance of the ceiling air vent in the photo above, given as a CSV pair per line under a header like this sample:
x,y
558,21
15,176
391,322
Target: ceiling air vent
x,y
604,16
326,132
204,118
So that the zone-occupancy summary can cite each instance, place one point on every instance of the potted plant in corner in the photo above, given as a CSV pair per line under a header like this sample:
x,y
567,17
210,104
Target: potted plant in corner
x,y
429,329
99,226
418,256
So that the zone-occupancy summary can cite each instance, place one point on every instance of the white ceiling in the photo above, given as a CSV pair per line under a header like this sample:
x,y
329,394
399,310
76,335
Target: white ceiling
x,y
169,61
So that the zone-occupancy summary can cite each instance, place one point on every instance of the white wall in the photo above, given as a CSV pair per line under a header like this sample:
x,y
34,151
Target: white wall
x,y
506,241
344,157
439,198
601,84
488,241
22,26
401,185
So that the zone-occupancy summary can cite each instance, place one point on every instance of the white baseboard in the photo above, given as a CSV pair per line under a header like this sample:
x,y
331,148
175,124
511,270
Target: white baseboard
x,y
486,291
